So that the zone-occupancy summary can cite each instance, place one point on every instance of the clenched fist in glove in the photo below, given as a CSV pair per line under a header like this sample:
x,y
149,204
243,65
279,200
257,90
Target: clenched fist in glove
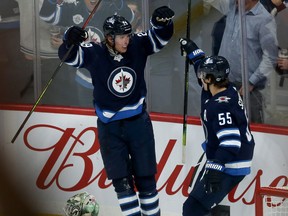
x,y
162,16
75,35
213,175
191,50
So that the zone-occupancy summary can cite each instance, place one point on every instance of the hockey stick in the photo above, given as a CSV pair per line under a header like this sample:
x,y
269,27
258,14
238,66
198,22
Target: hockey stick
x,y
196,167
186,87
53,75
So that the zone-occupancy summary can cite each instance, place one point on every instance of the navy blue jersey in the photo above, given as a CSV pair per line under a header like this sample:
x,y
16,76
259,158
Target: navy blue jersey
x,y
119,85
228,136
71,14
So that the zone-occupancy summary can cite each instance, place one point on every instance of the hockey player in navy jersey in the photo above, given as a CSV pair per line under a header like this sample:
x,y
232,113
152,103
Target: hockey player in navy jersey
x,y
125,130
66,13
229,144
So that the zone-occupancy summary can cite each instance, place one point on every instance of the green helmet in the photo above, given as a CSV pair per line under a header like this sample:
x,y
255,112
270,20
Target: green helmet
x,y
81,204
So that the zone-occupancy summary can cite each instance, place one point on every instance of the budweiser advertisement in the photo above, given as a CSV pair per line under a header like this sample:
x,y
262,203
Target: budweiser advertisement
x,y
56,155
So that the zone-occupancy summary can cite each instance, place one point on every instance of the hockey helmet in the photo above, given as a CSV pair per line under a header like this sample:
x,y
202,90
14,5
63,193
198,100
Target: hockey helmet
x,y
116,25
217,66
81,204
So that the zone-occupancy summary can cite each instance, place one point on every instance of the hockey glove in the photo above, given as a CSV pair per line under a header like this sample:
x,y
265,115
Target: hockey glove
x,y
213,176
75,35
162,16
191,50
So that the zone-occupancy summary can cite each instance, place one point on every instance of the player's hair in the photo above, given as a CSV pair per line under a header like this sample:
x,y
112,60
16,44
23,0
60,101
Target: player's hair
x,y
218,84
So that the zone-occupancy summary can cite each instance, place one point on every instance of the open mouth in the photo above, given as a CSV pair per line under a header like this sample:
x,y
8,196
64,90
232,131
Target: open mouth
x,y
93,2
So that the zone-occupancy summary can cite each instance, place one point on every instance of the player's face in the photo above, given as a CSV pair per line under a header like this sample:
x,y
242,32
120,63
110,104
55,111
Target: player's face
x,y
248,4
122,42
90,4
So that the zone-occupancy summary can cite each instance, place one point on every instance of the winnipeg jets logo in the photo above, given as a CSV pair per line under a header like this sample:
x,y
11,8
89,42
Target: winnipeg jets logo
x,y
209,61
121,81
223,99
77,19
94,34
111,20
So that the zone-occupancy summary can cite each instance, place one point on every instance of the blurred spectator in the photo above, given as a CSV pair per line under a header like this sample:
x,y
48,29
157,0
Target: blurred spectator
x,y
279,5
35,38
219,26
9,27
9,11
268,5
217,34
261,48
281,16
135,6
10,52
27,32
283,63
66,13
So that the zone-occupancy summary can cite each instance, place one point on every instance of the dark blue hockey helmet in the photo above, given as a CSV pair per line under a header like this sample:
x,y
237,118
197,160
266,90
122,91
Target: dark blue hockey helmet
x,y
116,25
216,66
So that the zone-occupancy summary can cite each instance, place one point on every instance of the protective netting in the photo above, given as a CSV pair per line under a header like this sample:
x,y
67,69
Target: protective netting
x,y
274,201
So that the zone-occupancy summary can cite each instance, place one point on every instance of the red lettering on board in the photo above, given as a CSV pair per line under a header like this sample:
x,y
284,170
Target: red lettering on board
x,y
67,147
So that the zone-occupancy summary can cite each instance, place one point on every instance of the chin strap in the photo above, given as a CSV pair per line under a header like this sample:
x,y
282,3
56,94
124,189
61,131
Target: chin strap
x,y
112,50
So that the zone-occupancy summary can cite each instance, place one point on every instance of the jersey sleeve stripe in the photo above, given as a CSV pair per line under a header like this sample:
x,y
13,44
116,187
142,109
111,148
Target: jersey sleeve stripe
x,y
54,18
238,164
58,15
48,18
157,42
162,42
78,61
155,49
231,143
228,132
238,168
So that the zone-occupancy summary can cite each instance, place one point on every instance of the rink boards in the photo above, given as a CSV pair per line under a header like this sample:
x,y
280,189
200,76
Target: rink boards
x,y
56,155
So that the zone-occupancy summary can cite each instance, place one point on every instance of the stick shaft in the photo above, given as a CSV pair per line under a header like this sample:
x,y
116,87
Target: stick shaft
x,y
91,14
52,77
186,88
196,168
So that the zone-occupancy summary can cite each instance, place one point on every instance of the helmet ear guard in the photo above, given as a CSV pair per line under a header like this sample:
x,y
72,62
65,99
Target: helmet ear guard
x,y
217,66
